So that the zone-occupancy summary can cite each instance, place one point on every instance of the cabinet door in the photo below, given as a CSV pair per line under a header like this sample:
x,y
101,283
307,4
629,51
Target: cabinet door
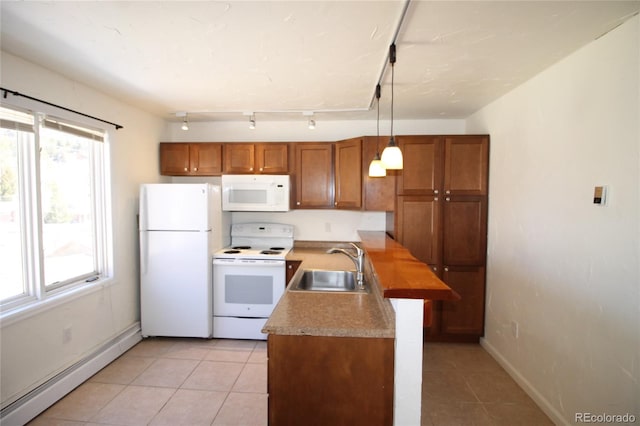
x,y
348,174
238,158
422,173
272,158
418,226
379,192
464,316
292,267
464,229
174,159
466,166
206,159
314,175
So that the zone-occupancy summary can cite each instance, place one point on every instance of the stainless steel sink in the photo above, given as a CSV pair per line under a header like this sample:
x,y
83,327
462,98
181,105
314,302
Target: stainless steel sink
x,y
325,280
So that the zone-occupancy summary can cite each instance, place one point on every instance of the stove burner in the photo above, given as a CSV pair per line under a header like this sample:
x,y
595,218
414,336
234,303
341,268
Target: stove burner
x,y
270,252
276,248
232,251
241,247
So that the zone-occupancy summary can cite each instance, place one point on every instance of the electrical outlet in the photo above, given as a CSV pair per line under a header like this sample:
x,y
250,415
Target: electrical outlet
x,y
327,227
66,334
515,329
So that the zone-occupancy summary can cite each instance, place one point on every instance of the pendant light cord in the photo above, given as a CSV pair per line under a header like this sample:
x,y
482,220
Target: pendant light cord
x,y
378,94
392,67
392,61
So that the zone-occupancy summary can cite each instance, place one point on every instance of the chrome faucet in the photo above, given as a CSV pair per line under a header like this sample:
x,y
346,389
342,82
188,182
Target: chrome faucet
x,y
358,259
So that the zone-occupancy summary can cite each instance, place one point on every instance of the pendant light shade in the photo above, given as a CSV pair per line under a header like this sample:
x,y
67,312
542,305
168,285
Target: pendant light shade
x,y
376,168
392,156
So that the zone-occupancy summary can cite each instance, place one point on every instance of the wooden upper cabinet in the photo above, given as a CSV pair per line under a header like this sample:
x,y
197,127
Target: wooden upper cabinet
x,y
464,230
190,159
174,159
206,158
378,192
314,175
419,227
243,158
466,165
348,174
423,161
272,158
239,158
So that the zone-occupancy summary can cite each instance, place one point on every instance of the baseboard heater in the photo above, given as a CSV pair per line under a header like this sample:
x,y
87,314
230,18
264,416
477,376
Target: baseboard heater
x,y
39,399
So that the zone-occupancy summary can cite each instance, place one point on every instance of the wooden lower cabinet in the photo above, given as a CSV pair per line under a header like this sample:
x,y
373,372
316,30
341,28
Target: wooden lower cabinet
x,y
462,320
319,380
291,269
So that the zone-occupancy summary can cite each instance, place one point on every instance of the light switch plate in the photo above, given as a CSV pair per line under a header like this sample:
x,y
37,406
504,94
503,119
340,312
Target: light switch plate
x,y
600,195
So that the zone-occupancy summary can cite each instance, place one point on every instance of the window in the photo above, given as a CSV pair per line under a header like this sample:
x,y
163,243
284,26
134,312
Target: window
x,y
52,217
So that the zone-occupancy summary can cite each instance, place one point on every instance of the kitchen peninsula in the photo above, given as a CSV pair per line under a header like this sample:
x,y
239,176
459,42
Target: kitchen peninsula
x,y
351,358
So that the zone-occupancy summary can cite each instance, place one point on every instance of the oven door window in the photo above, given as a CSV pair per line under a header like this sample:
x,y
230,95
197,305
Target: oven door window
x,y
248,289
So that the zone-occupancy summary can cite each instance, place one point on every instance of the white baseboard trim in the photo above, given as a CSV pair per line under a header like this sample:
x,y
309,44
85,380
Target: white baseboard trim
x,y
541,401
35,402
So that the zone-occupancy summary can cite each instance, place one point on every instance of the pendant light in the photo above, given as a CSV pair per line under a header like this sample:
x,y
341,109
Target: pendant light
x,y
392,156
376,169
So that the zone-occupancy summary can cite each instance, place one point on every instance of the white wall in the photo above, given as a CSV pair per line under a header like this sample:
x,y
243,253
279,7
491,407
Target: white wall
x,y
565,270
310,225
31,347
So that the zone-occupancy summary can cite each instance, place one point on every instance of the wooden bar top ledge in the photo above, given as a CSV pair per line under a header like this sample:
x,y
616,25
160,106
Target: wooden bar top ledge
x,y
400,275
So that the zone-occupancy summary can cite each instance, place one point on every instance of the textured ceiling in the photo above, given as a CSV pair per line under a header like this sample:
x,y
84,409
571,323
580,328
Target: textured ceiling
x,y
219,60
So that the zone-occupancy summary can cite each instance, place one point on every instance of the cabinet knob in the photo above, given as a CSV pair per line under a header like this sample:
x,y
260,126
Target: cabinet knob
x,y
195,169
446,269
435,191
447,199
250,169
435,198
298,203
186,169
447,192
261,168
335,204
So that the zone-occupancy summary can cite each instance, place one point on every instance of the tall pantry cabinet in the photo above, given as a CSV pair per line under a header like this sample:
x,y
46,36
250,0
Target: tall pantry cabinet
x,y
441,217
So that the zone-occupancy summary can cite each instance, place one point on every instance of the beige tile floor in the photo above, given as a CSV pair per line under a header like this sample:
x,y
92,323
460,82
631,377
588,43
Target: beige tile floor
x,y
463,385
194,382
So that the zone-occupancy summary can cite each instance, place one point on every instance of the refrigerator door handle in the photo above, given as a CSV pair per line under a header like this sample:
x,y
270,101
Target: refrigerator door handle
x,y
144,252
143,208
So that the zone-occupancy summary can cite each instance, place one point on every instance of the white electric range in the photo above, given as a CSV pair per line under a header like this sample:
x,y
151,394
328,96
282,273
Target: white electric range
x,y
249,278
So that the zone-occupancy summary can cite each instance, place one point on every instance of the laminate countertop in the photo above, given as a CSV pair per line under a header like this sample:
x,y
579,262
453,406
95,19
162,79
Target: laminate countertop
x,y
330,313
390,272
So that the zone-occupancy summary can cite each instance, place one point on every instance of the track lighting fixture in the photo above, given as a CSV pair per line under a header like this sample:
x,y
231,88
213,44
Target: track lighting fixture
x,y
185,123
311,123
392,156
376,168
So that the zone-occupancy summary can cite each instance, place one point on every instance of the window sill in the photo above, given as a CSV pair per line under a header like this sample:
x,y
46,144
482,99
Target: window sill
x,y
32,308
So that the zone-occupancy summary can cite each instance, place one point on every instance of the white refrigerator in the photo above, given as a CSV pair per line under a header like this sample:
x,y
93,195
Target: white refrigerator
x,y
181,226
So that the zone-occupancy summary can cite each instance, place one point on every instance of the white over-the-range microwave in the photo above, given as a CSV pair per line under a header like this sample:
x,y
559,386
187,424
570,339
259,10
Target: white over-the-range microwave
x,y
255,193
